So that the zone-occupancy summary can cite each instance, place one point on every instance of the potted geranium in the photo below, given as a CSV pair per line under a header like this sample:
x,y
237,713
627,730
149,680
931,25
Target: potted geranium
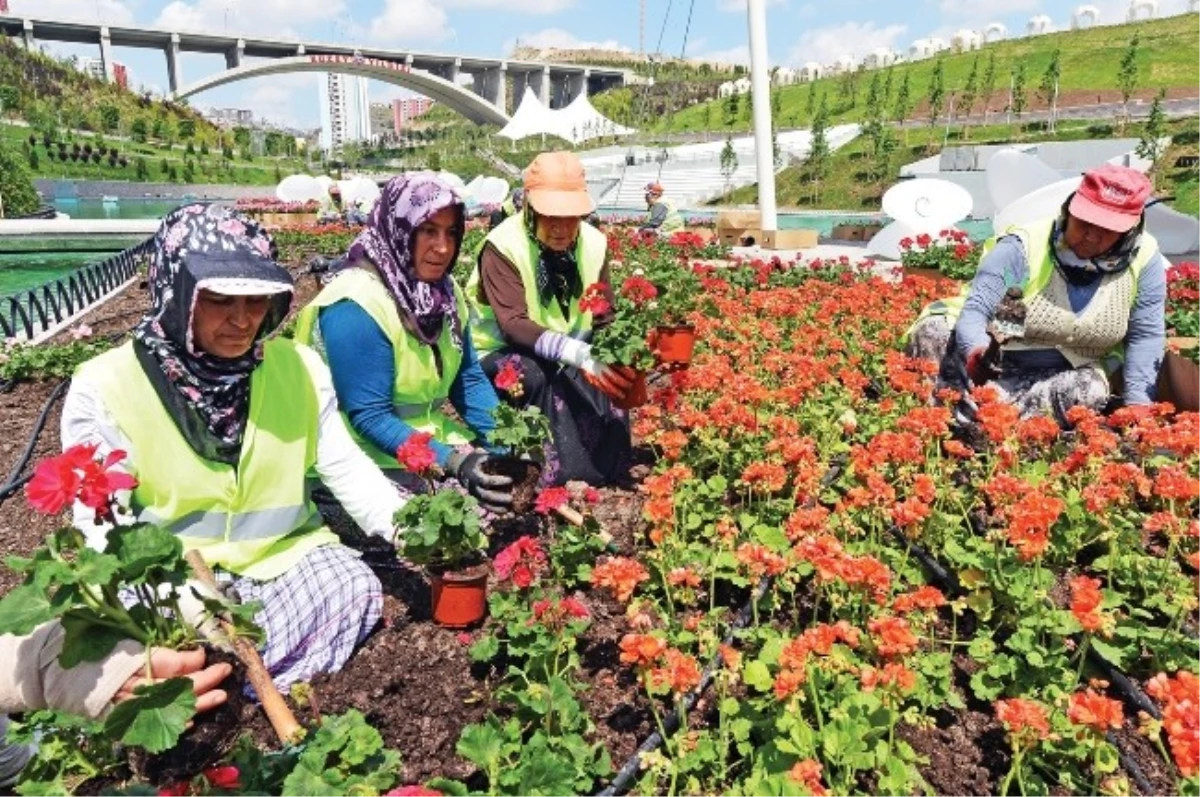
x,y
950,254
440,531
673,337
625,341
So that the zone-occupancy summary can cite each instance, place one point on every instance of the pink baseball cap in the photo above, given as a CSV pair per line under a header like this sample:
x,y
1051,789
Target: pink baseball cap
x,y
1112,197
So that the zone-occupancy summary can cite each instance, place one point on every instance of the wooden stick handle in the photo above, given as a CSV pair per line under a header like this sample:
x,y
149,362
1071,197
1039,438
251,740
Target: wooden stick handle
x,y
281,717
572,516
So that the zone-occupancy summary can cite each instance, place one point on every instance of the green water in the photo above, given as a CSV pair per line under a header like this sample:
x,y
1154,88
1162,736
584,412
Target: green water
x,y
20,272
124,209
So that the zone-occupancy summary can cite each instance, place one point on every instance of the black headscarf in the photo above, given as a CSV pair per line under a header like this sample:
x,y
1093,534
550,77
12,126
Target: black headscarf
x,y
557,273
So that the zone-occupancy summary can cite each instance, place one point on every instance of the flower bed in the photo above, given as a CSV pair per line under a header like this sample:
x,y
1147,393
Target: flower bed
x,y
925,611
951,254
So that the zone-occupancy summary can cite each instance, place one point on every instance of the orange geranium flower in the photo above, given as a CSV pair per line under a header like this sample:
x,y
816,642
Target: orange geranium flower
x,y
926,597
1025,720
641,650
679,673
1086,599
892,636
808,773
621,575
1093,710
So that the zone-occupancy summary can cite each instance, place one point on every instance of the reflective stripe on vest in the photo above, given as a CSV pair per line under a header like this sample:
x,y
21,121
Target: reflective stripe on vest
x,y
1035,240
514,244
673,222
418,391
255,520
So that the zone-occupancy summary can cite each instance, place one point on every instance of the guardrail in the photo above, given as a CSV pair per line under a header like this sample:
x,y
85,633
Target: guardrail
x,y
34,311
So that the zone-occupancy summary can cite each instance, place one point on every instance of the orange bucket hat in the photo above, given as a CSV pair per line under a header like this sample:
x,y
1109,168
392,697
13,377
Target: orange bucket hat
x,y
555,185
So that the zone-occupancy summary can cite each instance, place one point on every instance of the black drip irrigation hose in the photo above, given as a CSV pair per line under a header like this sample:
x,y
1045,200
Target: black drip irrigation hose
x,y
626,774
1128,689
15,481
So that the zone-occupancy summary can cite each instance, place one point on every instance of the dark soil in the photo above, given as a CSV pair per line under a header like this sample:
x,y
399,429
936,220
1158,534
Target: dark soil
x,y
211,737
966,749
525,476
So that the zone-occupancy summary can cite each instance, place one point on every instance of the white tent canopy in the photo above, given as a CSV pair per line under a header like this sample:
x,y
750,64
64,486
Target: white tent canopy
x,y
578,122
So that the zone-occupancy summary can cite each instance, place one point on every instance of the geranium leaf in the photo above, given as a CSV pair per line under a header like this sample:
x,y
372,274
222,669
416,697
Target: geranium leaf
x,y
155,717
24,609
85,638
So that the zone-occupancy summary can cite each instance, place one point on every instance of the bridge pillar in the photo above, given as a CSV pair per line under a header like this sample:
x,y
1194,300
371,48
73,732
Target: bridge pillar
x,y
27,33
499,84
300,49
233,56
578,84
174,75
540,83
452,70
106,53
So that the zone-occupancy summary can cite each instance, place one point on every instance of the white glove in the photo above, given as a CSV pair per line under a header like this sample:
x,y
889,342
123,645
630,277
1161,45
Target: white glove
x,y
191,597
605,377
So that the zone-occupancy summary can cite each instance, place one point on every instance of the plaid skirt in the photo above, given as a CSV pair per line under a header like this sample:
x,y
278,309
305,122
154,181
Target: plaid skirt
x,y
315,614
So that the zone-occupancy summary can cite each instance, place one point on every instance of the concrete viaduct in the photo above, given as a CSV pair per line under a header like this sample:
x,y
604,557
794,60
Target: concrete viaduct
x,y
483,98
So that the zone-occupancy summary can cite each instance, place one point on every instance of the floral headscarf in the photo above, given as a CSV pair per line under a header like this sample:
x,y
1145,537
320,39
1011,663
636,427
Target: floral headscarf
x,y
201,246
407,202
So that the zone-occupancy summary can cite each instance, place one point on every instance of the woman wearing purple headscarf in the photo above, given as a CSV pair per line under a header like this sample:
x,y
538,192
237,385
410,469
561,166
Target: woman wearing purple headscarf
x,y
221,425
393,327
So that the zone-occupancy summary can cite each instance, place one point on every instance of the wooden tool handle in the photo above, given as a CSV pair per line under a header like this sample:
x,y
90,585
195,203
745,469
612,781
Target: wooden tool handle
x,y
281,717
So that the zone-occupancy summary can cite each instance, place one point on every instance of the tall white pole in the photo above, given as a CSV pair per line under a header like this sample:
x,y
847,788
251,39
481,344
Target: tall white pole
x,y
760,88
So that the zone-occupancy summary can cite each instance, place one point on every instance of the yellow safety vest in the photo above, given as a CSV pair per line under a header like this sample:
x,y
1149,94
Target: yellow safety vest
x,y
419,391
1035,239
255,520
513,242
673,222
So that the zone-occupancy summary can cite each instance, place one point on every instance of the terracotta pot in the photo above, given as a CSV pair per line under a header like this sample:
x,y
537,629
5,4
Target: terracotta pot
x,y
673,345
636,395
931,273
459,597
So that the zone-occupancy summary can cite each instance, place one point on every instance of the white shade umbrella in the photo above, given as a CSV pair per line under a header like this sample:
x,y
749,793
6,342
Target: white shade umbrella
x,y
927,204
490,190
1044,202
1176,233
886,242
298,188
1012,174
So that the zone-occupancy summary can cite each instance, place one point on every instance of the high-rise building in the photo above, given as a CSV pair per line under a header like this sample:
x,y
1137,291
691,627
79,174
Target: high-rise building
x,y
95,68
404,111
345,110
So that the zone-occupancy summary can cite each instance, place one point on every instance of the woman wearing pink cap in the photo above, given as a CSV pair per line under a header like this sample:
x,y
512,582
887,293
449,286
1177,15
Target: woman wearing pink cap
x,y
1059,305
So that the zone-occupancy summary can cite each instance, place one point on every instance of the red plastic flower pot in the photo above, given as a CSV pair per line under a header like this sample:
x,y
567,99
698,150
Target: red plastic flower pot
x,y
636,395
673,345
459,597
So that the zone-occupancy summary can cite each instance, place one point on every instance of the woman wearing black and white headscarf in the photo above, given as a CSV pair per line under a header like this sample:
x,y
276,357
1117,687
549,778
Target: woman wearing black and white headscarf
x,y
220,424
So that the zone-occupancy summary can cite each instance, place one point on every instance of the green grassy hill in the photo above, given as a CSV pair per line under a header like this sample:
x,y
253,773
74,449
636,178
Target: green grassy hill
x,y
49,109
1168,57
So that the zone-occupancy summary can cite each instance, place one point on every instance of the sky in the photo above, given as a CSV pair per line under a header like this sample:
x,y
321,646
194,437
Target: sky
x,y
798,31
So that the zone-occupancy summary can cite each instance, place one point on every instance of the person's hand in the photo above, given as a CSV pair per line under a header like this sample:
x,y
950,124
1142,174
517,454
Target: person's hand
x,y
612,381
983,363
492,490
166,664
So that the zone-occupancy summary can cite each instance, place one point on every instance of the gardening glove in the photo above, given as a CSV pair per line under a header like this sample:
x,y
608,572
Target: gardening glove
x,y
983,363
493,491
607,379
191,597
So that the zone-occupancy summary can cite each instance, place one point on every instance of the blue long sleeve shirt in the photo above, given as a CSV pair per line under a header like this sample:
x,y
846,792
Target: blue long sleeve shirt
x,y
1005,266
364,371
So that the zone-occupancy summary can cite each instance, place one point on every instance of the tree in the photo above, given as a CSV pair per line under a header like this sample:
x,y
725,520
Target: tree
x,y
16,184
731,108
810,99
165,167
1127,77
1152,143
874,98
137,130
903,99
187,128
886,99
988,90
729,160
1048,86
817,162
34,163
110,118
189,171
10,100
1018,91
970,90
937,92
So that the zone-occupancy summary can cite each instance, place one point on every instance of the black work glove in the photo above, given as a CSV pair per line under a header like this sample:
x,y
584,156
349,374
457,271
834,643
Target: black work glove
x,y
494,492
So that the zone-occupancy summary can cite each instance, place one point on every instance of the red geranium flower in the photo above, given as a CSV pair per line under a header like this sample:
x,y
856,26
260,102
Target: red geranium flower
x,y
227,777
508,378
415,454
638,290
595,299
75,474
522,561
551,499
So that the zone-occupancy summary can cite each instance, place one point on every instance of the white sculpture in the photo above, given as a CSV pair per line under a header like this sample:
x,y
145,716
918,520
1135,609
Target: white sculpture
x,y
879,58
1039,25
921,48
994,32
742,85
784,76
811,71
965,40
842,65
1085,17
1138,7
726,89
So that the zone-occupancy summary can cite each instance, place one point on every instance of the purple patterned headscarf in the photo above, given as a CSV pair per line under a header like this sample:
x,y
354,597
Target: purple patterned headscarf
x,y
200,246
407,202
